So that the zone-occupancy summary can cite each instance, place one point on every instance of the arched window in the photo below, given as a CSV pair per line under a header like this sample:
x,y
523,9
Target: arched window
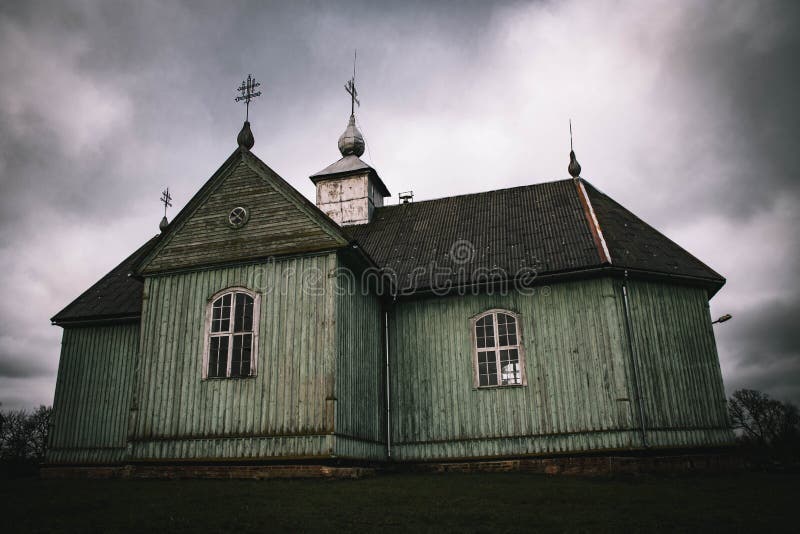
x,y
498,353
231,344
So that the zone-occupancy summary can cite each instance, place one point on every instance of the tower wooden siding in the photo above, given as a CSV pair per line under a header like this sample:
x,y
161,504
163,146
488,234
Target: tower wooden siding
x,y
579,394
93,392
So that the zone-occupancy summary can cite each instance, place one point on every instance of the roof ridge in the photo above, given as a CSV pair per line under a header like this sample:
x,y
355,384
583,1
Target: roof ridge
x,y
594,223
477,193
658,232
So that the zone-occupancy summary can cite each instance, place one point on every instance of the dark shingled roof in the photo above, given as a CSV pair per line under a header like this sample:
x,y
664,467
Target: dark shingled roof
x,y
116,296
636,245
540,229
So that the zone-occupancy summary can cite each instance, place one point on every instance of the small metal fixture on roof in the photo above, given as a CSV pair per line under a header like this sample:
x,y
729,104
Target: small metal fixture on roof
x,y
406,197
245,138
166,198
574,167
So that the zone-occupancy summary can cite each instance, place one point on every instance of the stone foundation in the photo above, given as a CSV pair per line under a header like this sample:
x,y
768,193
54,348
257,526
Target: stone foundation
x,y
718,462
172,472
596,465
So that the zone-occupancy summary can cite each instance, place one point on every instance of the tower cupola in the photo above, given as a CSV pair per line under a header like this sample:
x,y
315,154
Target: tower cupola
x,y
349,190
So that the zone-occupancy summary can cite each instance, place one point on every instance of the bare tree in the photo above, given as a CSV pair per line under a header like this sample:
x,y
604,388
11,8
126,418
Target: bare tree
x,y
766,423
23,436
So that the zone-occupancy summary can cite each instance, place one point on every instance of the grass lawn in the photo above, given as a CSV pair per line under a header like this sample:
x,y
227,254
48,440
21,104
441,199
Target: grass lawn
x,y
506,502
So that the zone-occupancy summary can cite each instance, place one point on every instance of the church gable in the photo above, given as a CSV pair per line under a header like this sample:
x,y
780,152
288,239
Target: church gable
x,y
245,212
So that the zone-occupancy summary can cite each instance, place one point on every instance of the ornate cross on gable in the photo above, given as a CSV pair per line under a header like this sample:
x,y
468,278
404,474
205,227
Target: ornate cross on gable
x,y
248,90
166,199
350,87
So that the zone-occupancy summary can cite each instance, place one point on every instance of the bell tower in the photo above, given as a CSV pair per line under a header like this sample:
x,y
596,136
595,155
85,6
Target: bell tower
x,y
349,190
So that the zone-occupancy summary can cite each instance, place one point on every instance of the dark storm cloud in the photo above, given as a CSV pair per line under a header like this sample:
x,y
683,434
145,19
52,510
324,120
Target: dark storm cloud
x,y
685,112
743,75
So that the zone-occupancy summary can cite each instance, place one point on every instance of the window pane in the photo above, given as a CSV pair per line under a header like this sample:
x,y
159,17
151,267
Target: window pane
x,y
247,347
236,356
509,367
240,358
484,332
216,316
243,315
487,368
506,329
218,356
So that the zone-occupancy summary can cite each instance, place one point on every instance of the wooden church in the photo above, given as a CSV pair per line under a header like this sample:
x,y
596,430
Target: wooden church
x,y
260,328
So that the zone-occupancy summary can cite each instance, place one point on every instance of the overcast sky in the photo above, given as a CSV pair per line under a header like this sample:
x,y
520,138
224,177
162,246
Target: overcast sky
x,y
685,112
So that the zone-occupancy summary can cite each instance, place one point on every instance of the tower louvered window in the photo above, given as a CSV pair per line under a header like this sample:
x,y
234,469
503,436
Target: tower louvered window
x,y
498,352
231,335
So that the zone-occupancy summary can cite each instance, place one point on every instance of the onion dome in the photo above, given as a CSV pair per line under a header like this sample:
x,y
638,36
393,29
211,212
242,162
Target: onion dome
x,y
163,224
245,137
574,167
351,142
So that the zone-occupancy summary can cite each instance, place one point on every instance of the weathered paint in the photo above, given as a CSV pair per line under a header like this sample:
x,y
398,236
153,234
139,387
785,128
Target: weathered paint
x,y
278,223
678,365
579,396
360,419
287,410
92,398
350,199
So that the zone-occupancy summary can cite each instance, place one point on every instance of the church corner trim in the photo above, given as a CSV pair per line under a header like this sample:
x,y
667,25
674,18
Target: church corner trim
x,y
594,224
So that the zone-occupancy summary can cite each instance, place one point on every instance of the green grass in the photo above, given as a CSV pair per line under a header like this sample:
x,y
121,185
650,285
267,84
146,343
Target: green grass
x,y
505,502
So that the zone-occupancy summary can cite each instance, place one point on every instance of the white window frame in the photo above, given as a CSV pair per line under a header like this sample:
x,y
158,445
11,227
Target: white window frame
x,y
207,331
497,348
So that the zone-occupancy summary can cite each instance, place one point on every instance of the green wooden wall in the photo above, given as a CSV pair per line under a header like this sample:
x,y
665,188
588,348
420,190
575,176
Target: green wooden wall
x,y
287,410
579,395
681,382
92,398
360,413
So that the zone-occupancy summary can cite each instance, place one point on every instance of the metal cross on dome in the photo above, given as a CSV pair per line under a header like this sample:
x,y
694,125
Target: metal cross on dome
x,y
350,87
166,199
248,90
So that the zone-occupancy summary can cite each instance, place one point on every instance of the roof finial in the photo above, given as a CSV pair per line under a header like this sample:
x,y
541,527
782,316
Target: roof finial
x,y
248,90
574,167
166,198
351,142
350,87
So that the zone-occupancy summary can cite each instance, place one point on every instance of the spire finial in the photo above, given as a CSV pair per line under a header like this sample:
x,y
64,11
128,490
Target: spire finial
x,y
351,142
248,90
350,87
574,167
166,199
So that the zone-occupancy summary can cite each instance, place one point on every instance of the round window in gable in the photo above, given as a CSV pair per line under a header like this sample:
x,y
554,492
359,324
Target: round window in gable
x,y
238,217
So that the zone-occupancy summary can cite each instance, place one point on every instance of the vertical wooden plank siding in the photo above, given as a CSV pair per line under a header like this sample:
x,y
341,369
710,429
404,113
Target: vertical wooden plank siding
x,y
281,412
93,391
680,377
360,360
579,395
